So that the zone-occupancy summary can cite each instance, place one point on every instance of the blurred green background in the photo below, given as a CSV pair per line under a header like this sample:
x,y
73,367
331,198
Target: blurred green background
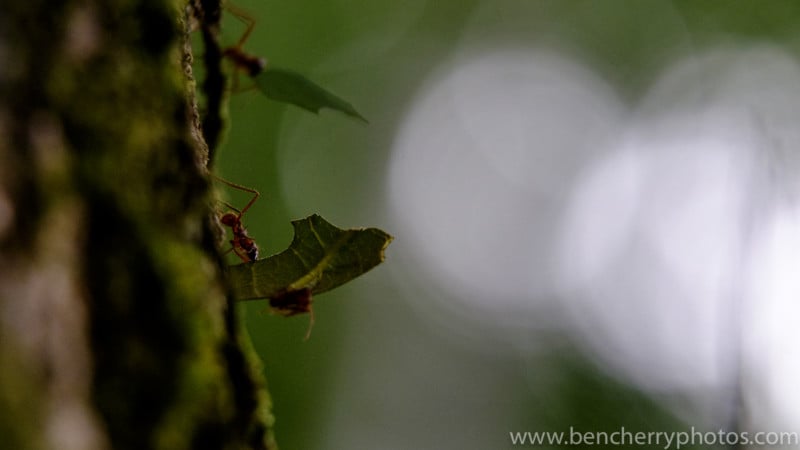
x,y
389,364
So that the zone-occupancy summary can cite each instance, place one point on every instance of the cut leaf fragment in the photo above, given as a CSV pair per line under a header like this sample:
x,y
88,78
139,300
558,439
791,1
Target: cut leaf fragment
x,y
320,258
290,87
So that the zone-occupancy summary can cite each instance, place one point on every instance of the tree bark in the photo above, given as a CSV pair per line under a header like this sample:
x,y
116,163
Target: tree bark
x,y
116,327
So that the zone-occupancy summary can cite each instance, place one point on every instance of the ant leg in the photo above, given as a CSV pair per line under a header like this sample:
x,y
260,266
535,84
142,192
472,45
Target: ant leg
x,y
236,252
235,82
244,17
255,193
239,253
237,87
310,322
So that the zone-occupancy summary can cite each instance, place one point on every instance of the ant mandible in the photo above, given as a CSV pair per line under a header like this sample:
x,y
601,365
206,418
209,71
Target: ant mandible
x,y
242,244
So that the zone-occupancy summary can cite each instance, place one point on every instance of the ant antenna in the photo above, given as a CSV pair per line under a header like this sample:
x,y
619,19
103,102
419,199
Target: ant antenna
x,y
246,18
255,193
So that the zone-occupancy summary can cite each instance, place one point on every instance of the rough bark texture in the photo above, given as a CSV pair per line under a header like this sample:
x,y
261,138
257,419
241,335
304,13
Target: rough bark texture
x,y
115,327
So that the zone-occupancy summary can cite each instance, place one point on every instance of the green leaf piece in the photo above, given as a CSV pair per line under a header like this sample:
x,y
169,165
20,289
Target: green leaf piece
x,y
290,87
320,258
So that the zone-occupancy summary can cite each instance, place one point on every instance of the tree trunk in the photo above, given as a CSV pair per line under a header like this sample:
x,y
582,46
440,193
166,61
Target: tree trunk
x,y
116,329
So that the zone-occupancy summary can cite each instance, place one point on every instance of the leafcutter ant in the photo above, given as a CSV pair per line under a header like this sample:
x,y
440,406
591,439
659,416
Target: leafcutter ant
x,y
278,84
250,64
292,302
242,244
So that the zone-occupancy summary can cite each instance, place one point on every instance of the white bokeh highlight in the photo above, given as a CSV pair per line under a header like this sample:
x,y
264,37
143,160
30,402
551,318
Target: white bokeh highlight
x,y
521,183
482,166
649,251
772,355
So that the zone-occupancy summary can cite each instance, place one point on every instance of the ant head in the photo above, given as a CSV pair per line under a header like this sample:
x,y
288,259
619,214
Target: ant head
x,y
229,219
255,66
252,252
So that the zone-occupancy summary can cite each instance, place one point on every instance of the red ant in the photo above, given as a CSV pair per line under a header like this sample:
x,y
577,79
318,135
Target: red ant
x,y
252,65
292,302
242,244
281,85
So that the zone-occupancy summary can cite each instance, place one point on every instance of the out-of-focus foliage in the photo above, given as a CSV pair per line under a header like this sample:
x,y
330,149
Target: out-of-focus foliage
x,y
290,87
403,359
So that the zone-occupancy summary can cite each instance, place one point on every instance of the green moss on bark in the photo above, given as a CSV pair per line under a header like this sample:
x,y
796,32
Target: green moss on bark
x,y
99,129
